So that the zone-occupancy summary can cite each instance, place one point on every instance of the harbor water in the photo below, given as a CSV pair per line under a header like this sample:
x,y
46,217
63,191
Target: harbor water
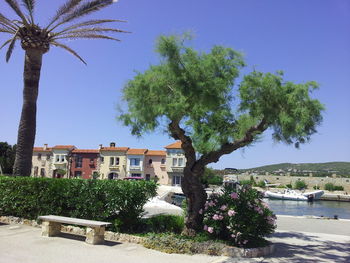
x,y
316,208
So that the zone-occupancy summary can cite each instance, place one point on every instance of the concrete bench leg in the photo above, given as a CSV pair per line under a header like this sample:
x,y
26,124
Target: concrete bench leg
x,y
50,229
95,235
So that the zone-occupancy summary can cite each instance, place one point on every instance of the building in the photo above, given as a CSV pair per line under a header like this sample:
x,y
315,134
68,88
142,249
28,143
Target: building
x,y
60,165
41,161
175,163
112,163
155,167
135,162
84,164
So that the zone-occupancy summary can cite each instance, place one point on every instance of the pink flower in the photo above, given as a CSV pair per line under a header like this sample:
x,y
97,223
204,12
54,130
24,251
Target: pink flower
x,y
234,195
218,217
233,235
231,212
200,211
210,229
265,205
245,242
211,203
223,207
205,228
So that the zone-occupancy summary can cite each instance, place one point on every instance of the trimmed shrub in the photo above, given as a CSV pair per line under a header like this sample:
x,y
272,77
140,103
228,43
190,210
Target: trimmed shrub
x,y
290,186
241,218
300,185
119,202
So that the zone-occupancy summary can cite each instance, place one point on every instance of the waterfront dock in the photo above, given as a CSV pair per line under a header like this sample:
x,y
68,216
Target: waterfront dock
x,y
335,197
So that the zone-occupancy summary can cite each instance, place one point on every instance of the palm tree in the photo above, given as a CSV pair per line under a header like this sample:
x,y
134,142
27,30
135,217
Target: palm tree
x,y
36,41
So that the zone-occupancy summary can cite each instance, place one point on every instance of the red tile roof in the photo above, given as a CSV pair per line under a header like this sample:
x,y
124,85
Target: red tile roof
x,y
175,145
85,151
64,147
117,149
41,149
156,153
136,151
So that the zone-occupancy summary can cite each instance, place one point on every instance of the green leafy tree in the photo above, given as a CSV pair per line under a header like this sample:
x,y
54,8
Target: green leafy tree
x,y
191,95
36,41
210,177
7,157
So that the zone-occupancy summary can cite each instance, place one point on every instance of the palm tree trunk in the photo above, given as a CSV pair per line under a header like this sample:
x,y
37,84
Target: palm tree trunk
x,y
27,125
196,198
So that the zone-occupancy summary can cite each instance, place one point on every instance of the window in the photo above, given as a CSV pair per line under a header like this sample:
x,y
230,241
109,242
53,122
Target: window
x,y
113,161
176,180
78,162
102,159
150,161
174,161
135,161
42,172
135,175
57,158
148,177
48,156
77,174
39,156
163,161
36,169
181,160
62,158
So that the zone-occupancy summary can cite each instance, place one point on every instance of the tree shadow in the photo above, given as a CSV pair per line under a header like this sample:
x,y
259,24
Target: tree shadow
x,y
82,238
3,224
317,251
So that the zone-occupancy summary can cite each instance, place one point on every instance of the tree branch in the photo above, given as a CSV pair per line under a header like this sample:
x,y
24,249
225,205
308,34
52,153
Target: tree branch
x,y
179,134
228,148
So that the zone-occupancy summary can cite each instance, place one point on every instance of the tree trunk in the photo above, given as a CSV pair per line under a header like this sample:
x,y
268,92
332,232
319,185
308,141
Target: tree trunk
x,y
27,125
196,198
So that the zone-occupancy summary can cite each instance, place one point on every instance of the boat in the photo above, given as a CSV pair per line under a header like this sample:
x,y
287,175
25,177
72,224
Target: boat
x,y
289,194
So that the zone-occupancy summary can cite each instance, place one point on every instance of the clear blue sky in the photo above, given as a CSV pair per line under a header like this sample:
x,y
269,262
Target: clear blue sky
x,y
309,40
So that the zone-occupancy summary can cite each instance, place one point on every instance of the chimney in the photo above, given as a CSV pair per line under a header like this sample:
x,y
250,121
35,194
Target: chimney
x,y
100,146
112,144
45,146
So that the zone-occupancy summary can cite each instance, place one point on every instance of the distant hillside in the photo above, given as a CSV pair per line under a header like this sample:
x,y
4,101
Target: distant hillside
x,y
339,168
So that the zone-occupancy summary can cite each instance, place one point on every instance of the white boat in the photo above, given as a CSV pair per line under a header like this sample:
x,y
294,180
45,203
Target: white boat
x,y
289,194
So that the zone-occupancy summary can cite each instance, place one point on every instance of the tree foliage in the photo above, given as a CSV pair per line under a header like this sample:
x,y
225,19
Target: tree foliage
x,y
7,157
198,91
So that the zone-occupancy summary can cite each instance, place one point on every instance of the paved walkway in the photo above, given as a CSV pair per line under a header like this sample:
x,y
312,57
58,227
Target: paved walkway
x,y
296,240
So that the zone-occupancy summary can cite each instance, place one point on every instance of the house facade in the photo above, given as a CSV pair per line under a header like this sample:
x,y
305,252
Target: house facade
x,y
175,163
155,167
41,161
60,165
135,163
83,163
112,162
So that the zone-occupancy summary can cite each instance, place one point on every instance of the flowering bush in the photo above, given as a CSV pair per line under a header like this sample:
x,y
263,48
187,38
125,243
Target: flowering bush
x,y
241,217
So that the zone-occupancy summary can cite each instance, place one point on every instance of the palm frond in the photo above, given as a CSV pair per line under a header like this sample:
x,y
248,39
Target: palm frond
x,y
94,30
66,8
84,9
57,44
5,21
15,6
6,43
91,36
6,30
11,47
89,23
29,4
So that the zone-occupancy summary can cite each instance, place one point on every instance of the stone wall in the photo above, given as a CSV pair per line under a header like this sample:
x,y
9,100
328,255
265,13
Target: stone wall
x,y
310,181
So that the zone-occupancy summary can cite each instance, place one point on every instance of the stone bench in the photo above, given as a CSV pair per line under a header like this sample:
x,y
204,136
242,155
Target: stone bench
x,y
95,230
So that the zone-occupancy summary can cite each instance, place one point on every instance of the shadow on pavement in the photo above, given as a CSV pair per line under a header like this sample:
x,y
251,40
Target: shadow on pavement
x,y
82,238
317,251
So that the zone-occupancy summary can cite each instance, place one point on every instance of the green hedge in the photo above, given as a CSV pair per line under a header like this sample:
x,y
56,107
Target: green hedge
x,y
332,187
119,202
